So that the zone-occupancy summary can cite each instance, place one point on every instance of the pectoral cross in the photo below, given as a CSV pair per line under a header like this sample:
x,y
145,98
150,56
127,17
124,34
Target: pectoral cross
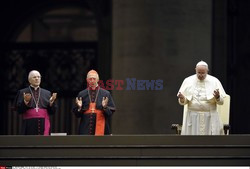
x,y
92,109
36,109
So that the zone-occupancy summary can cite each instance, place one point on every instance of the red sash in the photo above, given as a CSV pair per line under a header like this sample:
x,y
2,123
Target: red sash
x,y
42,113
100,119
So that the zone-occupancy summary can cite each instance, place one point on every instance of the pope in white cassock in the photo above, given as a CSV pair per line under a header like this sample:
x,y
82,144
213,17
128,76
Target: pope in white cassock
x,y
201,92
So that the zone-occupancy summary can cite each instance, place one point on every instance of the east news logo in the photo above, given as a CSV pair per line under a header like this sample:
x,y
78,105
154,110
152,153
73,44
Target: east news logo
x,y
131,84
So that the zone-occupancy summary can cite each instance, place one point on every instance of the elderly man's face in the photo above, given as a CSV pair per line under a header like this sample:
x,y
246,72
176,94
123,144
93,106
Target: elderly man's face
x,y
92,80
201,72
35,79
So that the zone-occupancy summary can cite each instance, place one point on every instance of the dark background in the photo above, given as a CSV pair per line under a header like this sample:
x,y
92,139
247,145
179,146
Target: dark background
x,y
64,60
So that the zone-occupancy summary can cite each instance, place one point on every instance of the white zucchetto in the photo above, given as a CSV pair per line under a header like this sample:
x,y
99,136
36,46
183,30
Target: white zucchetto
x,y
202,63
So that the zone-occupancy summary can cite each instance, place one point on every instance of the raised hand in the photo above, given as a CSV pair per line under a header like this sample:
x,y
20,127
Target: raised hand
x,y
181,97
52,98
216,94
27,98
105,102
79,102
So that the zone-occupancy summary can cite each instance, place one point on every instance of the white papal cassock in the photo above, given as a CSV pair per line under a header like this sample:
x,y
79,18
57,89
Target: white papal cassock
x,y
201,117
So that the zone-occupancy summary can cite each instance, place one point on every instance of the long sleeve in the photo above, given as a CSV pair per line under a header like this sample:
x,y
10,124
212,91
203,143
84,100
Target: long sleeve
x,y
220,101
52,109
20,106
85,103
110,109
185,101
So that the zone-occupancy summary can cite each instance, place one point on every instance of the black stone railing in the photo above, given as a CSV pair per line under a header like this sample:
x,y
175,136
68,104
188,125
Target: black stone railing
x,y
125,150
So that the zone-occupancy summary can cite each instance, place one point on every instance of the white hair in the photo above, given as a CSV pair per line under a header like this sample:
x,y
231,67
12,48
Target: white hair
x,y
93,73
31,73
